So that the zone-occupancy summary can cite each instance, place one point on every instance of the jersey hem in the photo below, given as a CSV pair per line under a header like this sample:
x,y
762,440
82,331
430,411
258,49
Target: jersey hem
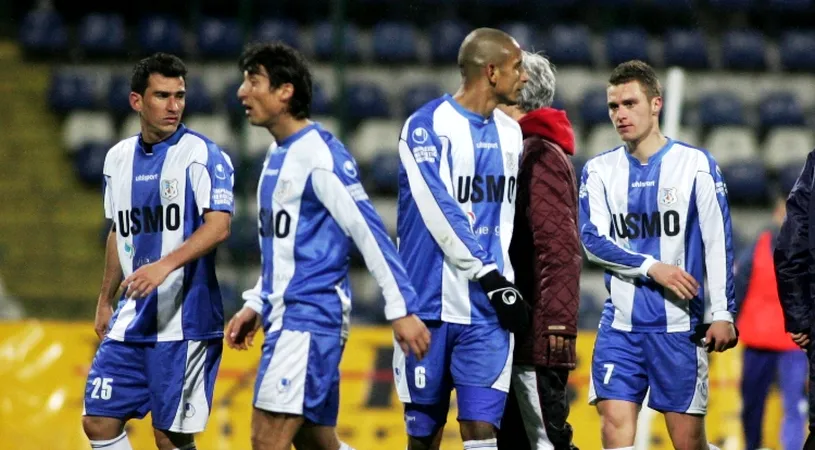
x,y
174,338
458,320
648,329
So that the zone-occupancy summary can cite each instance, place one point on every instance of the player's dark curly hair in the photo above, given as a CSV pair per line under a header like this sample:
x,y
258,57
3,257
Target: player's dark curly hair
x,y
284,65
640,71
170,66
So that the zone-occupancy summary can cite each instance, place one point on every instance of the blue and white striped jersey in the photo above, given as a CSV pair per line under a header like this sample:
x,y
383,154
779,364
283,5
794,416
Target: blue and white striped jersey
x,y
156,196
311,207
457,184
674,210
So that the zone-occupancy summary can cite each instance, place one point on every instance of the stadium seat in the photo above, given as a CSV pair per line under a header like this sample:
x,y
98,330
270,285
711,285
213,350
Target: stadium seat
x,y
242,243
601,139
688,135
284,30
395,42
328,123
89,162
732,144
721,108
232,102
625,44
320,103
215,127
365,100
417,95
131,126
734,5
118,95
788,175
198,99
686,48
446,37
219,38
324,42
796,50
743,50
594,107
373,137
81,127
43,31
789,5
258,140
746,182
69,91
159,33
383,175
102,34
786,145
570,45
780,109
524,33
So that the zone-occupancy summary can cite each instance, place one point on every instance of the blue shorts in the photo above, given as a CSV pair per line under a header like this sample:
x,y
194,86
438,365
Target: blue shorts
x,y
476,360
625,365
174,380
299,374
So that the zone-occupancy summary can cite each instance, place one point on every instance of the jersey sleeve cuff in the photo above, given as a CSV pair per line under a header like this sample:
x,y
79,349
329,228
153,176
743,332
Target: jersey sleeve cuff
x,y
395,311
646,265
485,270
725,316
253,301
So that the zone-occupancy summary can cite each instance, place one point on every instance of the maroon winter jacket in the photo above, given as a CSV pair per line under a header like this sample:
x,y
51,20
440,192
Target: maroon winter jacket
x,y
545,248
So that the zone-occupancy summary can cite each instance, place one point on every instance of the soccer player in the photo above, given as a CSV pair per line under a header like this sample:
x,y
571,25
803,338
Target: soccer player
x,y
312,208
168,191
457,181
545,252
654,215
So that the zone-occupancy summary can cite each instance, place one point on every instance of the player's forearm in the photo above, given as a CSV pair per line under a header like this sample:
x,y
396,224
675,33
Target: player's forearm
x,y
113,271
608,255
216,229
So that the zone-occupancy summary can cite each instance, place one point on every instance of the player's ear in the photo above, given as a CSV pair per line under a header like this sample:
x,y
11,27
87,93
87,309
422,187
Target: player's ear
x,y
136,101
656,105
286,91
492,73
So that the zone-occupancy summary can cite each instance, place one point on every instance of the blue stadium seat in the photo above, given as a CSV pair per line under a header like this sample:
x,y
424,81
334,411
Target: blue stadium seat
x,y
747,182
324,42
219,38
780,109
242,243
796,50
284,30
589,312
594,107
524,33
570,45
384,173
743,50
231,100
102,34
320,103
625,44
788,175
395,42
89,161
43,31
721,108
198,99
159,33
417,95
70,91
365,100
446,37
789,5
118,95
734,5
686,48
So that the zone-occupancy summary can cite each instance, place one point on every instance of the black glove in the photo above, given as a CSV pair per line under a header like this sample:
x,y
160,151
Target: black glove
x,y
509,304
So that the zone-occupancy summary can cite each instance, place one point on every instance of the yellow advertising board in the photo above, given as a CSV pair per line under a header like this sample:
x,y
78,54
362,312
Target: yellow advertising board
x,y
43,366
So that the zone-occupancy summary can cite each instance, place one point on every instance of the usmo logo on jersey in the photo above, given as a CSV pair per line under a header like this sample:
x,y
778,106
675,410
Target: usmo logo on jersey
x,y
149,219
485,188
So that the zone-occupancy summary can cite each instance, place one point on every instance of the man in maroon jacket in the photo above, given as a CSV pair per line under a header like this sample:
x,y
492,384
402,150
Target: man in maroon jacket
x,y
545,252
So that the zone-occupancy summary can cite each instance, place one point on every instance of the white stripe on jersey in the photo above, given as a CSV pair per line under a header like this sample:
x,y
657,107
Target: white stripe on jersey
x,y
121,199
511,166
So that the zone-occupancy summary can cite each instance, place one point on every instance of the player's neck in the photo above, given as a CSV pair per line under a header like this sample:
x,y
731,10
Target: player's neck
x,y
474,99
149,136
286,126
647,146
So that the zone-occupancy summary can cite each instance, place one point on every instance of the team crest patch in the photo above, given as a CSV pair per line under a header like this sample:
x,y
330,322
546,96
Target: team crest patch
x,y
169,189
282,190
668,196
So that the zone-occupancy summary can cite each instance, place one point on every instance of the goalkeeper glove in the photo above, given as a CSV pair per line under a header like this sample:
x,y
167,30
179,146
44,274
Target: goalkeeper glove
x,y
509,304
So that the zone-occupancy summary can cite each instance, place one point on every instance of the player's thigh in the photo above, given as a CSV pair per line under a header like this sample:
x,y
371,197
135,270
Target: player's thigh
x,y
181,376
481,370
116,387
274,431
618,367
678,373
687,431
299,375
618,422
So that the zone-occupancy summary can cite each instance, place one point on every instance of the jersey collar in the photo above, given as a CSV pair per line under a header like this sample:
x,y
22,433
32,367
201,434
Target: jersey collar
x,y
161,145
471,116
653,159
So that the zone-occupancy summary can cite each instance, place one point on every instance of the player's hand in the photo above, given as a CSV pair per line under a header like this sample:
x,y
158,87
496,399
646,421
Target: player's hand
x,y
560,348
145,279
677,280
412,335
801,340
104,311
241,329
509,304
721,336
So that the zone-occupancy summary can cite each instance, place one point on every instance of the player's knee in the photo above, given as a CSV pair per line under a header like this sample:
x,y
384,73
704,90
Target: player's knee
x,y
101,428
616,426
167,440
476,431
